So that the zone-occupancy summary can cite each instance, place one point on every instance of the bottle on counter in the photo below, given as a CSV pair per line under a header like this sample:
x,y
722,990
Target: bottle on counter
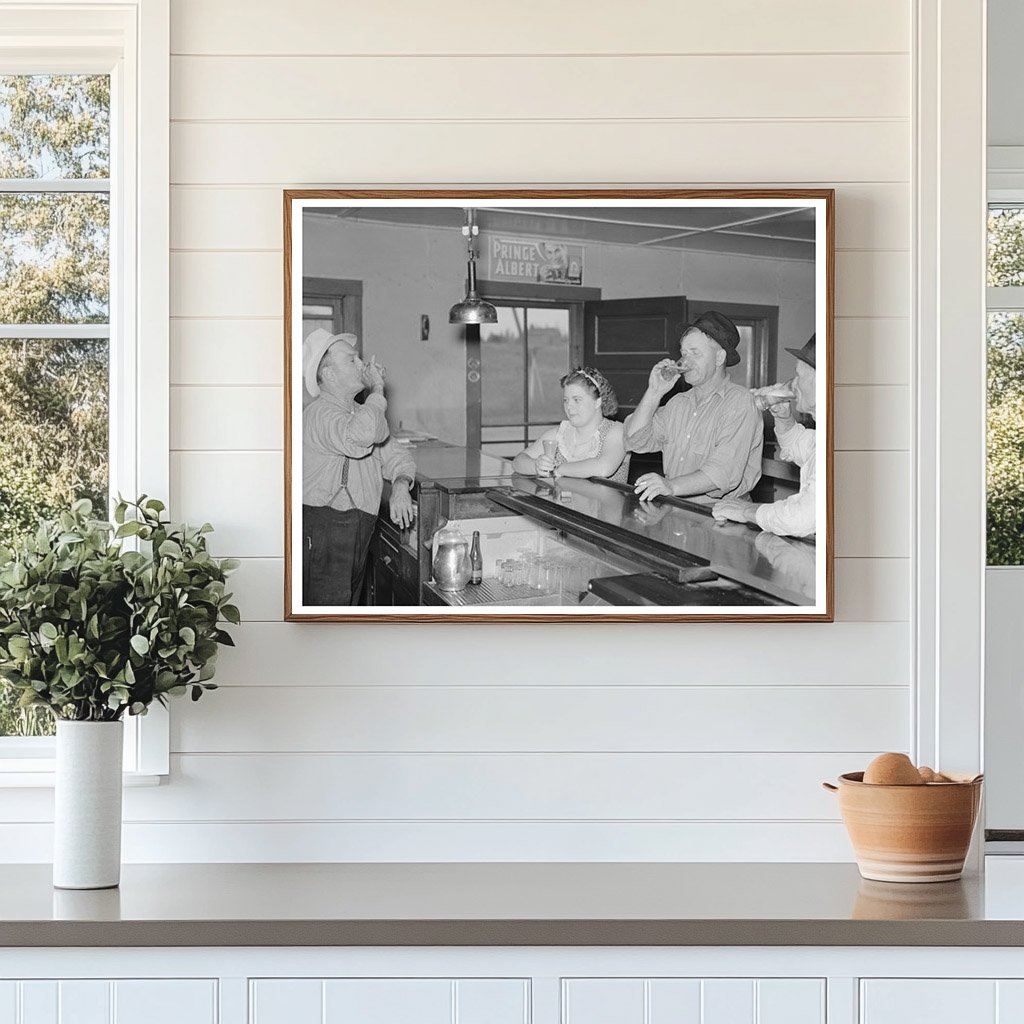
x,y
476,560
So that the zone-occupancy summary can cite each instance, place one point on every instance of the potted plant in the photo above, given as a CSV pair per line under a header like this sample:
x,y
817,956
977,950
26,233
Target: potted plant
x,y
93,631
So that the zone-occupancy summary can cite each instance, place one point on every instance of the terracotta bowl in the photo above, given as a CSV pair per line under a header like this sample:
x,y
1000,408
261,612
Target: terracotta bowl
x,y
909,833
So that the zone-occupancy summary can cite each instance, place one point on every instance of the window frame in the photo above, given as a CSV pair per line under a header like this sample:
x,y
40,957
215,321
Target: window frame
x,y
536,427
1004,298
514,293
1001,299
1002,718
130,41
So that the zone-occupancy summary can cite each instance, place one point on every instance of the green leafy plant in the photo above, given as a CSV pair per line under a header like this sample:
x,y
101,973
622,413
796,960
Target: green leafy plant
x,y
90,630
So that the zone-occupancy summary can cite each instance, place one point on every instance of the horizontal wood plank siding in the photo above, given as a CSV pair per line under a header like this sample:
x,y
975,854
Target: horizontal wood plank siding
x,y
537,27
603,152
579,719
494,786
867,589
278,654
417,742
370,88
160,842
228,487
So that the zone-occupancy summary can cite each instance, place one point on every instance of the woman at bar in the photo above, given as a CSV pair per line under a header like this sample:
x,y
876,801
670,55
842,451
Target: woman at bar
x,y
586,443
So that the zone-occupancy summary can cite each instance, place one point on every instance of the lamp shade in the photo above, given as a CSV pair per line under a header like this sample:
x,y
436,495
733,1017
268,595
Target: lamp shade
x,y
472,309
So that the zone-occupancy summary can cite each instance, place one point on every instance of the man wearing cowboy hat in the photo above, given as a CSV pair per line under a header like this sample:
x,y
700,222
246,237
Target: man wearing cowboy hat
x,y
793,516
710,437
347,454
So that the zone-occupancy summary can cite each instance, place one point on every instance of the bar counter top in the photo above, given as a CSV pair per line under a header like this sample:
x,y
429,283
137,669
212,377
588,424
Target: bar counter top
x,y
493,904
783,568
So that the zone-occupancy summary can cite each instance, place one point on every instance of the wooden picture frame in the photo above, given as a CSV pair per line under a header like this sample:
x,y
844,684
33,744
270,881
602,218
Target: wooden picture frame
x,y
607,279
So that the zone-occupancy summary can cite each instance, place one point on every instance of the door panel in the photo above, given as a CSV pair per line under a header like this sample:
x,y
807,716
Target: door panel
x,y
929,999
123,1001
389,1000
759,344
693,1001
624,338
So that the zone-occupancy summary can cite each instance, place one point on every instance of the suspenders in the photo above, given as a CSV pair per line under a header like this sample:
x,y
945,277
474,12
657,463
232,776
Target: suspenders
x,y
343,487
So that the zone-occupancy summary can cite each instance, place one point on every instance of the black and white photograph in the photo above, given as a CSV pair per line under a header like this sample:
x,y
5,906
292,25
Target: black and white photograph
x,y
510,406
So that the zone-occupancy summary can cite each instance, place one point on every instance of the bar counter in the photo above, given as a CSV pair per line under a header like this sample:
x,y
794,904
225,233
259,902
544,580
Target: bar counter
x,y
671,538
477,904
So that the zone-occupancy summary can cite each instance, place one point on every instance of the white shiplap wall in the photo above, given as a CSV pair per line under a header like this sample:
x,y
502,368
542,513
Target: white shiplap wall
x,y
424,742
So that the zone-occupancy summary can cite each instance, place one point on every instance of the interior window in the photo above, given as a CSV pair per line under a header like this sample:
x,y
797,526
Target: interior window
x,y
523,357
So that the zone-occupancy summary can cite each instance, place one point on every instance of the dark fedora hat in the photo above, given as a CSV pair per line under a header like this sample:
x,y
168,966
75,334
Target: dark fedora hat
x,y
805,354
721,330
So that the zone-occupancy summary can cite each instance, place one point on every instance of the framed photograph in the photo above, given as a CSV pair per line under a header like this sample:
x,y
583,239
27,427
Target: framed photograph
x,y
530,405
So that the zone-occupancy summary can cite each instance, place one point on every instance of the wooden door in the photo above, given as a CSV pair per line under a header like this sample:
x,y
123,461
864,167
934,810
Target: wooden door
x,y
624,338
759,346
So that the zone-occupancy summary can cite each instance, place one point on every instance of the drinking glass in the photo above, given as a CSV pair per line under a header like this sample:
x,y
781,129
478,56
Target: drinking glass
x,y
549,451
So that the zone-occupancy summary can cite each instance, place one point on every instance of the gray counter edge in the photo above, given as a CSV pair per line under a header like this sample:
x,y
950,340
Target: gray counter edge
x,y
511,933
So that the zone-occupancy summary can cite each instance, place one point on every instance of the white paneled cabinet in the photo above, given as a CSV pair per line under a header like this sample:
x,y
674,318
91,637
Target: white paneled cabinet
x,y
953,1001
513,985
389,1001
103,1001
693,1001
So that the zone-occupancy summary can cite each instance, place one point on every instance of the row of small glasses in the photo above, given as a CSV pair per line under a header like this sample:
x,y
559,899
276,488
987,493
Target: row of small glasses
x,y
550,573
511,572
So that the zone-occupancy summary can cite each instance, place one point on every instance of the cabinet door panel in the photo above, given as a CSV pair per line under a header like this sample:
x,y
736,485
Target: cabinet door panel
x,y
84,1002
491,1001
1010,1002
675,1001
694,1001
603,1001
388,1001
791,1001
286,1001
165,1002
934,1001
8,1002
728,1001
38,1002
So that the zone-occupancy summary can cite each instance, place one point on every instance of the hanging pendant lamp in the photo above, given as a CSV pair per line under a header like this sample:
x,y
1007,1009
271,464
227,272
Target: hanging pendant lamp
x,y
472,309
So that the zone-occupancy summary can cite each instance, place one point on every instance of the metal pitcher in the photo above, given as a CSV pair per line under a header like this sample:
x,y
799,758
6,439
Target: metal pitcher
x,y
451,565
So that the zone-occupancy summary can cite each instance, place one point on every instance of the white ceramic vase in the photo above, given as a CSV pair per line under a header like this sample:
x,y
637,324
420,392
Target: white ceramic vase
x,y
87,805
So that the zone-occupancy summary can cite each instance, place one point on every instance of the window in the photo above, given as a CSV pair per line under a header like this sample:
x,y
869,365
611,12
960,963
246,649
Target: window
x,y
83,287
522,358
1005,470
55,285
333,304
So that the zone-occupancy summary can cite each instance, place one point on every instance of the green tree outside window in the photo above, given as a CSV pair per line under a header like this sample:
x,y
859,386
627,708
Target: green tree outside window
x,y
1005,477
54,279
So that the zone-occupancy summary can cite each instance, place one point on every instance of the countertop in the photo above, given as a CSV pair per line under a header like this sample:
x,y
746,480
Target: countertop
x,y
477,904
781,567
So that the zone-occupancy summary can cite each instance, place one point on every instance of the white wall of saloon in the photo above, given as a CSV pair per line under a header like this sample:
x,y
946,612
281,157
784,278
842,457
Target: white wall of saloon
x,y
434,742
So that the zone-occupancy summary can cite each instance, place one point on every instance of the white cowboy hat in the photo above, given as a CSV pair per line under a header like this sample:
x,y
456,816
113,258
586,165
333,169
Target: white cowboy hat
x,y
314,348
